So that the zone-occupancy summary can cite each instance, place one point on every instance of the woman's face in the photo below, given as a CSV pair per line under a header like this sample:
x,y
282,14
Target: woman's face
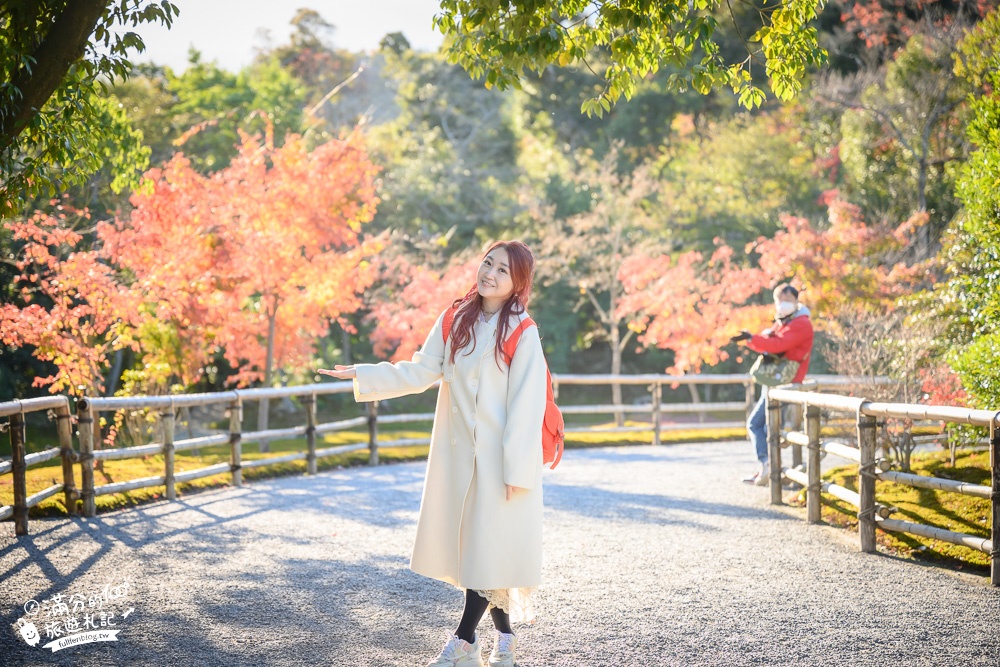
x,y
785,305
493,279
786,297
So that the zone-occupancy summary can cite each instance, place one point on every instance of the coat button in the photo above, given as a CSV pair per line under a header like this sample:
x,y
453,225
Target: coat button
x,y
474,382
454,408
472,416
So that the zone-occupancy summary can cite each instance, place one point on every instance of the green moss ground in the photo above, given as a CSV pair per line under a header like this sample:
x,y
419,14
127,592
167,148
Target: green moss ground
x,y
952,511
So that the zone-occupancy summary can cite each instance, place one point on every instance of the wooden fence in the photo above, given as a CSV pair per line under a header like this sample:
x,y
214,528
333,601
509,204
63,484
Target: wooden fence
x,y
88,412
871,515
18,465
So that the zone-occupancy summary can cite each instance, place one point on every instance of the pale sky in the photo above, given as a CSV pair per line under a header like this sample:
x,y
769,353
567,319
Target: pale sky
x,y
226,31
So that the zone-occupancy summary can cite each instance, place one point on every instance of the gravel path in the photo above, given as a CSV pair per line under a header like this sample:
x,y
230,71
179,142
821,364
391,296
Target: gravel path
x,y
653,556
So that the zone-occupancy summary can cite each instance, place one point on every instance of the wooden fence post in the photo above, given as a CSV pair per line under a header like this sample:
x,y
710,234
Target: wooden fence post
x,y
866,482
310,401
85,434
65,431
98,435
235,446
657,391
749,386
995,498
373,433
813,506
19,468
168,451
796,425
774,449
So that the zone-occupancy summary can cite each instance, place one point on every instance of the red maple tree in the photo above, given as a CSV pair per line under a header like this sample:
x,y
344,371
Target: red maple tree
x,y
75,309
411,300
692,305
255,259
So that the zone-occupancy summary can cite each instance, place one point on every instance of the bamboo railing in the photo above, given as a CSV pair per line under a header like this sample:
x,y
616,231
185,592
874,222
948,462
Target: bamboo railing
x,y
656,407
871,515
88,411
19,463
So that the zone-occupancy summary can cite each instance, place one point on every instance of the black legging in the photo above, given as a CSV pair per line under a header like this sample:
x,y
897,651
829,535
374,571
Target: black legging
x,y
475,607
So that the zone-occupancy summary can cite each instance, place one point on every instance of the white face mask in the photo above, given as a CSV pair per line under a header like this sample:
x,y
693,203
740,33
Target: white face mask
x,y
785,308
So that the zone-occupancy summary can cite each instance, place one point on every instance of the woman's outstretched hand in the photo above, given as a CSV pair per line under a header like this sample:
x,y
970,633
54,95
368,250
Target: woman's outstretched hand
x,y
511,490
339,372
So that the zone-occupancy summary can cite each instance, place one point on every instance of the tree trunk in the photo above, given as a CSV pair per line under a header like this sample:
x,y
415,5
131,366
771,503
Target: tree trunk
x,y
65,44
186,416
115,374
613,322
616,369
924,236
262,411
696,399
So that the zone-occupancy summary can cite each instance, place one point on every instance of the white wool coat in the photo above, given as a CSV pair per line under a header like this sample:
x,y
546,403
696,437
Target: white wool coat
x,y
487,433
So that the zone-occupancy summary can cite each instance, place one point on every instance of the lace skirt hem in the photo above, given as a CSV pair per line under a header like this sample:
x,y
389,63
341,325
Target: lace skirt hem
x,y
518,603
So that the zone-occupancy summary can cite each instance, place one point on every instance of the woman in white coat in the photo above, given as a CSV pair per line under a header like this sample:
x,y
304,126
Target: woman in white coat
x,y
480,525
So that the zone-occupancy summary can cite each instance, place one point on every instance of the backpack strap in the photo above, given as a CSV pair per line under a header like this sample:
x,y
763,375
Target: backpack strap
x,y
449,319
510,345
558,458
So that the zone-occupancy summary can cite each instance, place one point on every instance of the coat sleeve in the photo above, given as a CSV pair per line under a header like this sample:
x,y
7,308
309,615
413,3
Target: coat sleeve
x,y
782,340
522,435
376,382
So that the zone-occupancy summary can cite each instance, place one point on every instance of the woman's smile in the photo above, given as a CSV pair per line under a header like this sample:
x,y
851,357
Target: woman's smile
x,y
495,283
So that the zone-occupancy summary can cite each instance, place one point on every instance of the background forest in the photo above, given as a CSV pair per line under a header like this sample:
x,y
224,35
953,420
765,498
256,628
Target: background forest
x,y
322,207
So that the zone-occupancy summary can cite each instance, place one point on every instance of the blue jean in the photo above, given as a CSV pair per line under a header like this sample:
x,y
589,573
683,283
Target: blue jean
x,y
757,427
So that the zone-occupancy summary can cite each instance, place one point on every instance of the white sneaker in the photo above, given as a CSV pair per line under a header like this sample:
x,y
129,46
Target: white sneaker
x,y
459,653
759,478
764,476
503,650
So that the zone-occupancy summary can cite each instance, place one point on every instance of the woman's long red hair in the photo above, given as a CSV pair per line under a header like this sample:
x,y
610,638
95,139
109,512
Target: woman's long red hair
x,y
521,264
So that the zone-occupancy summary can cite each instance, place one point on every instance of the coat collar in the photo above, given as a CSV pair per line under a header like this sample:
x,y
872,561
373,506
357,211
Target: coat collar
x,y
513,320
489,329
486,331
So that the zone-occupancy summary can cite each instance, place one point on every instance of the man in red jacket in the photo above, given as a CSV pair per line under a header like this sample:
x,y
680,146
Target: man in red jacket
x,y
790,338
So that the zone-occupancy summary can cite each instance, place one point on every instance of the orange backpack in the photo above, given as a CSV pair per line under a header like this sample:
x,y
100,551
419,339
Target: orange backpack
x,y
553,425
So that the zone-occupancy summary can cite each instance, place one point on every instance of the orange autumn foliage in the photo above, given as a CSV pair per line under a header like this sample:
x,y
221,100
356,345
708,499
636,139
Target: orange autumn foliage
x,y
688,305
849,263
414,298
693,306
272,238
76,311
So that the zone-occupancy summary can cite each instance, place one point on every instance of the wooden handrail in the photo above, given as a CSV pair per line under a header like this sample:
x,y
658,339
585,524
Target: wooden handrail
x,y
21,461
89,408
866,414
